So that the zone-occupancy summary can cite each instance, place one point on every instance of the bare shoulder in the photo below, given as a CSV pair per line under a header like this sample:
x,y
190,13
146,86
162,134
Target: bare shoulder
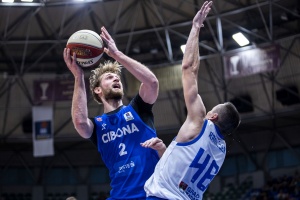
x,y
189,130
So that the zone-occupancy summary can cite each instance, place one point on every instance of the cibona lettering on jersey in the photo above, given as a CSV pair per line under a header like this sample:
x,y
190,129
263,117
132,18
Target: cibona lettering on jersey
x,y
120,132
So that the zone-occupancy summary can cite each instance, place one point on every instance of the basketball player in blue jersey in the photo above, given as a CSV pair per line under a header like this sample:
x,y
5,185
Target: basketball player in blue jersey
x,y
196,155
118,132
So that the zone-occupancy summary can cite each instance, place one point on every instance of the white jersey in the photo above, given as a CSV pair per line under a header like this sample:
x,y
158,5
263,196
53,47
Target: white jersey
x,y
186,169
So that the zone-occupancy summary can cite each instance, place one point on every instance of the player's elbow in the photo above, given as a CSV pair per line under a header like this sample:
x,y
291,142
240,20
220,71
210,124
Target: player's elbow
x,y
154,84
187,69
186,66
191,63
82,128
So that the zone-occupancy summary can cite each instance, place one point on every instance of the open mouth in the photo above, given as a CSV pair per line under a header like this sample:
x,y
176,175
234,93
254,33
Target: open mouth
x,y
117,86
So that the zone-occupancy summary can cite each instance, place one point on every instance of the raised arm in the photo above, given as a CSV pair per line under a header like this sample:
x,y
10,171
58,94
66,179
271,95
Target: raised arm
x,y
190,67
149,83
82,123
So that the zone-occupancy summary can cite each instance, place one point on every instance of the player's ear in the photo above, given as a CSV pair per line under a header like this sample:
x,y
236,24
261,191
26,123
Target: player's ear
x,y
98,90
214,117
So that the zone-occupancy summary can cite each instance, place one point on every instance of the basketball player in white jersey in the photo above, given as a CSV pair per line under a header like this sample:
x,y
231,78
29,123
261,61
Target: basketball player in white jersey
x,y
196,155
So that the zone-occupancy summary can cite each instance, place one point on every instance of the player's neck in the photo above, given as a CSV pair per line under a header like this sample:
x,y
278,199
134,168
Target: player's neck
x,y
112,105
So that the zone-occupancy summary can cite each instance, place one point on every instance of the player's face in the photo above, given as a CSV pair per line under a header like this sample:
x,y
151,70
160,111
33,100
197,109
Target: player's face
x,y
111,85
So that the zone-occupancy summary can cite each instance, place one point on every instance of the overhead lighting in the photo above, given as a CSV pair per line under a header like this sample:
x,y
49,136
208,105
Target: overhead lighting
x,y
284,16
136,50
182,47
240,39
7,1
154,51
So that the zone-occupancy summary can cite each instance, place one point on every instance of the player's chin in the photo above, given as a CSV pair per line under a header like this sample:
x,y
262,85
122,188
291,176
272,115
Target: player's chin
x,y
118,90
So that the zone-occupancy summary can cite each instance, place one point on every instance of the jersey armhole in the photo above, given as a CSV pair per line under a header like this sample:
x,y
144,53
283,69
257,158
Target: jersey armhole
x,y
93,137
144,110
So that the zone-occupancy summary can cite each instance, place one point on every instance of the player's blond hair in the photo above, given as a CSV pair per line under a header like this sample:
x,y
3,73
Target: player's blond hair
x,y
108,66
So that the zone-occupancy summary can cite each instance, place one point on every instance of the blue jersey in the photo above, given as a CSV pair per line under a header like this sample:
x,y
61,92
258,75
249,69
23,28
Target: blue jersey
x,y
118,140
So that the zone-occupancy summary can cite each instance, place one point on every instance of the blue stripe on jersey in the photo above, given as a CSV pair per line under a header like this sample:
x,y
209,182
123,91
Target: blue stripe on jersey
x,y
196,139
219,132
155,198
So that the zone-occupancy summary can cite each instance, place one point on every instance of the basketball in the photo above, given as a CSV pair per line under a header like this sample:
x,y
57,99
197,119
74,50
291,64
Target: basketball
x,y
88,47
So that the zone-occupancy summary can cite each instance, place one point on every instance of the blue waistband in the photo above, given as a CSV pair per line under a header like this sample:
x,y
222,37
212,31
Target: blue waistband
x,y
127,199
155,198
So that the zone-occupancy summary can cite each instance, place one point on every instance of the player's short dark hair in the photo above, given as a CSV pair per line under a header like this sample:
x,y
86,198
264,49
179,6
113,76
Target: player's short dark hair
x,y
228,118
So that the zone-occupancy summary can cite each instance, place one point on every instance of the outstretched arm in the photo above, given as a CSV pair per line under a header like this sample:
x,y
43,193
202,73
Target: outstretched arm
x,y
190,65
82,123
149,83
156,144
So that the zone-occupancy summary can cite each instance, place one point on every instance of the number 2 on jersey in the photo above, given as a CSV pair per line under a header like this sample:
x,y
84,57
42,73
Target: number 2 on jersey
x,y
122,152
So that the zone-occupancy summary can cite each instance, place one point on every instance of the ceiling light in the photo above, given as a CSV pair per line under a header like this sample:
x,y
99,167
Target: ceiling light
x,y
182,47
240,39
7,1
136,50
153,51
284,16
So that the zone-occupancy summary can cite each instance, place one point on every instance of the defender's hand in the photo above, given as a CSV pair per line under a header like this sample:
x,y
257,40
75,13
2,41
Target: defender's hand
x,y
201,14
156,144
